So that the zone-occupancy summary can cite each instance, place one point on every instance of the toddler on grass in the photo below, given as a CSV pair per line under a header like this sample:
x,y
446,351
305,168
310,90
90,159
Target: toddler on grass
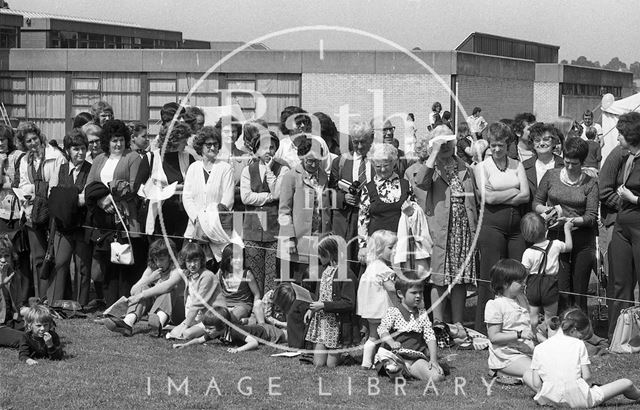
x,y
40,341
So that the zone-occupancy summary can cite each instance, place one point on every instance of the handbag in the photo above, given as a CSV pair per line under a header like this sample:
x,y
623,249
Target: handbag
x,y
40,208
626,336
121,253
49,263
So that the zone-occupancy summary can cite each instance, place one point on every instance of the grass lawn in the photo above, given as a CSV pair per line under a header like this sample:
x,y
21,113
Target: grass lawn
x,y
106,370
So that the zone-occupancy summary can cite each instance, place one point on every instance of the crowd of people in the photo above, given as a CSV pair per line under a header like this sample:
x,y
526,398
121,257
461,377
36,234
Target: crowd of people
x,y
221,232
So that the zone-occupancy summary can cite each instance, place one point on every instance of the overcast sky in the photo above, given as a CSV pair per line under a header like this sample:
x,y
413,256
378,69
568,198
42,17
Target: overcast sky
x,y
599,29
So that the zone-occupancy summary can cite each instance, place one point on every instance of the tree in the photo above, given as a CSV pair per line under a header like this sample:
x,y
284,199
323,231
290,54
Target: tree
x,y
615,64
635,69
4,4
584,62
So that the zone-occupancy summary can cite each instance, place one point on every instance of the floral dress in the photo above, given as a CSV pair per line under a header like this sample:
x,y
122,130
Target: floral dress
x,y
324,327
459,236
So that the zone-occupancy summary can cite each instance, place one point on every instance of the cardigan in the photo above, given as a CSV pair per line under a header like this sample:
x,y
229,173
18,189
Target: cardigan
x,y
123,186
197,194
295,212
609,179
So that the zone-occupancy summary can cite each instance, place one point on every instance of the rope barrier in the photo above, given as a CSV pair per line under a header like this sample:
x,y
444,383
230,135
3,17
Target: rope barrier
x,y
352,260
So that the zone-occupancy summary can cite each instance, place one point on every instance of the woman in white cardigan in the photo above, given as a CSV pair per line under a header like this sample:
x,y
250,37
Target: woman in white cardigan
x,y
208,180
38,164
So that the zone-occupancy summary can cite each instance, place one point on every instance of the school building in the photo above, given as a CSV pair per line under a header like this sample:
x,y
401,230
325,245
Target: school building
x,y
52,67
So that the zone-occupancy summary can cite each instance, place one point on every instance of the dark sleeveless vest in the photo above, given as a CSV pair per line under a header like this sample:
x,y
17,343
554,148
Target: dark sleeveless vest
x,y
383,215
253,229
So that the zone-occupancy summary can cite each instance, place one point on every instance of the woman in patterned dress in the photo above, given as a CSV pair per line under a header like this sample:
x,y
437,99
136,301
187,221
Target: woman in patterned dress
x,y
451,214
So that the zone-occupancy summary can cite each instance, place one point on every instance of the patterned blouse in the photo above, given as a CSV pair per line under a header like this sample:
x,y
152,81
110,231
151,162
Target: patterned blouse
x,y
389,192
395,321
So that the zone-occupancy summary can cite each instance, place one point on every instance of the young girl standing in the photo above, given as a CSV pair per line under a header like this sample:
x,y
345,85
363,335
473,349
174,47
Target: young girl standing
x,y
542,261
507,318
560,373
40,340
376,291
331,318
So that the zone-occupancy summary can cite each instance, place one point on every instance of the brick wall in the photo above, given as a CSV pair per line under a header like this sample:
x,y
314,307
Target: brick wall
x,y
545,100
498,98
402,93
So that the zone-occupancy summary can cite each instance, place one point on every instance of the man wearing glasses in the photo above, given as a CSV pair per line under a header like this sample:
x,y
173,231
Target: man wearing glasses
x,y
388,137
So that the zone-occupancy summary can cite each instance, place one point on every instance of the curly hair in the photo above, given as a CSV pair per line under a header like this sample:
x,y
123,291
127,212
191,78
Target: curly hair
x,y
99,107
203,135
629,127
520,120
298,114
179,132
111,129
191,115
169,110
29,127
382,151
421,148
82,119
6,132
538,129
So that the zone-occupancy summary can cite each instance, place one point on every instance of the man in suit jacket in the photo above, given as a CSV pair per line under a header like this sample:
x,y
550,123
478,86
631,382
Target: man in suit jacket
x,y
349,167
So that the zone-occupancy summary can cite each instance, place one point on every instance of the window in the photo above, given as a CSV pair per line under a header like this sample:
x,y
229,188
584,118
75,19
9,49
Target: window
x,y
9,37
121,90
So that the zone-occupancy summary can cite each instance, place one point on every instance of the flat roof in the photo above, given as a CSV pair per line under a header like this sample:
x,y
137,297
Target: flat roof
x,y
38,15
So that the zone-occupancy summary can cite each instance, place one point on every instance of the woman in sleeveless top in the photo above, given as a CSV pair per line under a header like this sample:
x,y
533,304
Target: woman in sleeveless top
x,y
503,186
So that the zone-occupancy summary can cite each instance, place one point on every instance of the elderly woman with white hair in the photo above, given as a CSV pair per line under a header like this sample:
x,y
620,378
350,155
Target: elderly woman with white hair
x,y
383,200
451,214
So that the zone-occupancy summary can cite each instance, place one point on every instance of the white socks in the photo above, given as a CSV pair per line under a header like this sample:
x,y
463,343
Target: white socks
x,y
163,317
368,353
130,319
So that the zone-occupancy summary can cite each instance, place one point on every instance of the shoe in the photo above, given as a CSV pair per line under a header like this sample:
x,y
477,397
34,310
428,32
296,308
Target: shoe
x,y
156,326
118,325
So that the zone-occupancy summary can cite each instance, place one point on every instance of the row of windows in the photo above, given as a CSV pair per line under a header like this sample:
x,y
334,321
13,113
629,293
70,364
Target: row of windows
x,y
590,90
42,97
72,39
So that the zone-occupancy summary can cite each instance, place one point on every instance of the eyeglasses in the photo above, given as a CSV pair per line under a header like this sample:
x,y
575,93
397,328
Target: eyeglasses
x,y
543,139
94,142
209,145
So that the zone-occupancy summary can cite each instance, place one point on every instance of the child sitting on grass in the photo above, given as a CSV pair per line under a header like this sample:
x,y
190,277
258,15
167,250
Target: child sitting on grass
x,y
40,341
542,261
10,324
560,373
412,350
508,322
220,324
203,291
158,292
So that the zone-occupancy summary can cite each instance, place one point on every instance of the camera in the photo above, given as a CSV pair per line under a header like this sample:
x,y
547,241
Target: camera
x,y
352,188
